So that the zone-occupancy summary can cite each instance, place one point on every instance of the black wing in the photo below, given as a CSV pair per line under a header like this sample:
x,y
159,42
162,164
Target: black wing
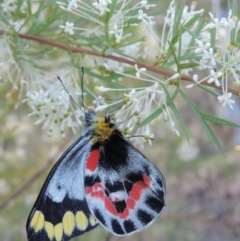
x,y
61,211
124,190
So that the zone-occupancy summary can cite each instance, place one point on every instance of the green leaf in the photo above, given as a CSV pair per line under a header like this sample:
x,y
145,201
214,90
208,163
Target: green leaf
x,y
191,22
194,35
93,40
208,89
152,116
188,65
217,120
109,51
125,55
211,135
177,19
112,8
174,54
179,118
17,12
158,111
213,36
170,100
108,79
89,94
29,7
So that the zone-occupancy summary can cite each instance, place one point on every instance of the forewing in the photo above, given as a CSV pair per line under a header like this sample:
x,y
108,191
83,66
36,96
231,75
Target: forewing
x,y
61,211
124,190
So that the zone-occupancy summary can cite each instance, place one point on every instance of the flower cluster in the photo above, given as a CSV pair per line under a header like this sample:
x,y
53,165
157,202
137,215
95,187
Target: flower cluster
x,y
138,104
123,16
170,28
222,60
53,106
8,9
9,70
123,33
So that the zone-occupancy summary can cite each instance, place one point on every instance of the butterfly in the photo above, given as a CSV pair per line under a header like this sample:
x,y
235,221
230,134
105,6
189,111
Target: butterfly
x,y
100,179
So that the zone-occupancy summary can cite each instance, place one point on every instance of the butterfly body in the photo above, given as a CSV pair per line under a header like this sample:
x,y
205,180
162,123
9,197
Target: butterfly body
x,y
102,179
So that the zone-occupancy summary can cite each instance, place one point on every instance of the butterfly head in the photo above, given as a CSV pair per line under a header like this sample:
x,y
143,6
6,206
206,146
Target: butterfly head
x,y
100,128
90,117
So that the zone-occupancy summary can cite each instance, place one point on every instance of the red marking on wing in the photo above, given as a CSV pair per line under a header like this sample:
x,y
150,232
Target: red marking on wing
x,y
116,199
137,189
92,160
131,203
110,206
134,196
147,180
95,191
124,214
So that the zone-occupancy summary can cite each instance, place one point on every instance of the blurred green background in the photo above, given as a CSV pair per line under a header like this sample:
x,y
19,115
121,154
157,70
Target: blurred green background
x,y
203,185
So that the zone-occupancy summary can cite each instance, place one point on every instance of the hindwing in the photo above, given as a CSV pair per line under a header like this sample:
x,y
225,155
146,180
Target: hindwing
x,y
61,211
124,190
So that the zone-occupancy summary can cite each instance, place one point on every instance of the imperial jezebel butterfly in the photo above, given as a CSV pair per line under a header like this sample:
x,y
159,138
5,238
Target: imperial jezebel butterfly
x,y
101,178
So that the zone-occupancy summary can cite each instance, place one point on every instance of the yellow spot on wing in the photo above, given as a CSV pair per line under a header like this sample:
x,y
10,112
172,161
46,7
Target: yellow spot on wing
x,y
68,223
81,220
92,220
49,230
37,221
58,231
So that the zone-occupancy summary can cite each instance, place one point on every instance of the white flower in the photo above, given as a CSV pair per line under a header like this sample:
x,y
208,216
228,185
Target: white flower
x,y
117,33
225,99
147,20
72,4
18,24
123,16
206,53
182,45
214,77
99,101
102,6
101,107
9,67
174,76
189,86
52,105
195,78
174,129
138,71
138,106
68,28
145,4
101,89
203,47
8,6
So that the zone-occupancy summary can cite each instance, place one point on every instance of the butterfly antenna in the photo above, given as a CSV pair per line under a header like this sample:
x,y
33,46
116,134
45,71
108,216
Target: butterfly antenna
x,y
70,95
150,138
82,88
121,122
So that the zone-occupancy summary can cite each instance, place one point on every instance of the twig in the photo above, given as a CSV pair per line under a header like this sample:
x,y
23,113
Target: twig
x,y
32,179
116,58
